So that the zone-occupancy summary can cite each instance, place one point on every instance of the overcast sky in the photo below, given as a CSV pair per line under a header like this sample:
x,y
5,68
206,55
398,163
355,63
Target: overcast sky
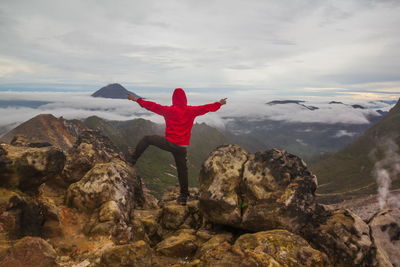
x,y
278,47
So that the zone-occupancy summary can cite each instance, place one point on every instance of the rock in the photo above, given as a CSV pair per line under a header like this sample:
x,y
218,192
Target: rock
x,y
266,248
106,192
10,221
344,237
113,181
20,215
44,128
278,248
385,232
150,201
50,197
213,243
172,193
173,216
266,190
139,232
90,148
29,251
26,168
219,182
109,211
278,192
149,221
137,254
221,255
180,244
21,140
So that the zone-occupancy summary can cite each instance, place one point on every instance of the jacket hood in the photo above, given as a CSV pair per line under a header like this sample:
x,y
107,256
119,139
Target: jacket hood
x,y
179,97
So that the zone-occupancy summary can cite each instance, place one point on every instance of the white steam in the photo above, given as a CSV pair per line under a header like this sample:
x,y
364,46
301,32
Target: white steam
x,y
385,170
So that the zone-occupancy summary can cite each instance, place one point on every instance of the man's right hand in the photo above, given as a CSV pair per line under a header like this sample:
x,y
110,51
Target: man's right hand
x,y
223,101
131,97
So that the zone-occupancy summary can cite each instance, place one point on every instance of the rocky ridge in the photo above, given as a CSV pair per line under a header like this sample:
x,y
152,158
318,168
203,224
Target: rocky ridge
x,y
85,206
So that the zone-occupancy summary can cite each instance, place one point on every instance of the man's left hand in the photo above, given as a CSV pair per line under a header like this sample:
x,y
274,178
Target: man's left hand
x,y
223,101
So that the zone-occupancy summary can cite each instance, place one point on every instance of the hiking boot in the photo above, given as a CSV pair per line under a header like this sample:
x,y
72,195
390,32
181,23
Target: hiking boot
x,y
182,200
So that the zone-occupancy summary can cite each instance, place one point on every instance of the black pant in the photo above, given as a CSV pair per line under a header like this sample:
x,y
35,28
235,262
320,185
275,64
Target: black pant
x,y
179,153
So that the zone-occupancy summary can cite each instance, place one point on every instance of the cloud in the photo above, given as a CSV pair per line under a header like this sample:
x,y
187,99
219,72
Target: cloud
x,y
74,105
208,44
342,133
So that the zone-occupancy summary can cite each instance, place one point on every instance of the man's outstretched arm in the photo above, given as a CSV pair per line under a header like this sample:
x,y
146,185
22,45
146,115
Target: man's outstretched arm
x,y
201,110
149,105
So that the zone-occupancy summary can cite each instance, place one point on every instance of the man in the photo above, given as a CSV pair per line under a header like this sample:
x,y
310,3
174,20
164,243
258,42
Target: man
x,y
179,119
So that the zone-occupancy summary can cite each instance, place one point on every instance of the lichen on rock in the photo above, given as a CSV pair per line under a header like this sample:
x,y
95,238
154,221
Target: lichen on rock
x,y
385,231
27,168
107,192
29,252
90,148
266,190
343,236
137,254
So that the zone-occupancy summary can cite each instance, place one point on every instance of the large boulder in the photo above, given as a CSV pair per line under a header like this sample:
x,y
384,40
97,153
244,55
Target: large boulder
x,y
266,248
22,215
213,243
90,148
148,220
274,189
219,182
172,193
105,182
266,190
107,192
183,243
28,167
343,236
137,254
278,246
174,216
385,231
29,252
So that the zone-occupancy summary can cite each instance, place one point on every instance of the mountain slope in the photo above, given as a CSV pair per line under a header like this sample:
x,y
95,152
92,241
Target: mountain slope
x,y
114,90
45,127
350,170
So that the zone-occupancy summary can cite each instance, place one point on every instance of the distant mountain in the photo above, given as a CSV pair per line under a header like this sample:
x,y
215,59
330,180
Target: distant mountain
x,y
297,102
45,127
350,170
358,106
114,90
280,102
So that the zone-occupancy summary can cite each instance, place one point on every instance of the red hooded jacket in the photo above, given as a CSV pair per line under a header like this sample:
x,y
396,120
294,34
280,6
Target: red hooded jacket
x,y
179,117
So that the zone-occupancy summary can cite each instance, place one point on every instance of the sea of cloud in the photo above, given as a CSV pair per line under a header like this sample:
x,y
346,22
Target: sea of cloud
x,y
80,105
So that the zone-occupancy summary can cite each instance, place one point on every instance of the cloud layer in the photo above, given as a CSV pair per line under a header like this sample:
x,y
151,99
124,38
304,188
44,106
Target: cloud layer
x,y
73,105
